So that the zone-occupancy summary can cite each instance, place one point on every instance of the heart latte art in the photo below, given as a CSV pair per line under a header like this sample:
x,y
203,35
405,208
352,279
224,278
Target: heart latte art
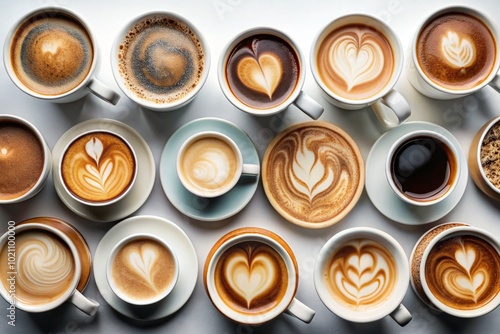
x,y
251,277
98,167
355,61
312,173
463,272
361,274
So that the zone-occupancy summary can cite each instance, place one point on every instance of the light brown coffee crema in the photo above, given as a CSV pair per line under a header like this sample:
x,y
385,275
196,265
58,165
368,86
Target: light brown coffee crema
x,y
490,155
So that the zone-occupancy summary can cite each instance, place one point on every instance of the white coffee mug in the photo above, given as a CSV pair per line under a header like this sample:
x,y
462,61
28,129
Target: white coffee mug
x,y
390,107
422,83
44,259
297,97
464,265
89,83
363,239
211,166
141,257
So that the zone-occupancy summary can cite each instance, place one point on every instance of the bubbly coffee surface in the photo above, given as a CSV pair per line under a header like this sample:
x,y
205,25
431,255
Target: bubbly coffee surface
x,y
21,160
251,277
45,267
463,272
262,71
98,167
161,59
361,274
313,173
51,53
490,155
143,269
456,51
355,61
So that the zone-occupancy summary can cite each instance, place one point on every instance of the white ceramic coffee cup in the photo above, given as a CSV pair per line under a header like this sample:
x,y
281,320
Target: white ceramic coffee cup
x,y
392,305
241,167
449,233
415,134
89,84
123,296
47,165
426,86
166,106
72,295
298,97
288,304
390,107
97,203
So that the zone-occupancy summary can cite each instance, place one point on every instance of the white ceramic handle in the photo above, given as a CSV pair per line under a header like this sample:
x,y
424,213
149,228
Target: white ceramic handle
x,y
300,311
396,103
495,83
85,304
401,315
102,91
250,169
310,107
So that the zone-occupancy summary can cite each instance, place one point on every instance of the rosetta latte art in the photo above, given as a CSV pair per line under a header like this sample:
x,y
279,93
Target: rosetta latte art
x,y
362,274
459,52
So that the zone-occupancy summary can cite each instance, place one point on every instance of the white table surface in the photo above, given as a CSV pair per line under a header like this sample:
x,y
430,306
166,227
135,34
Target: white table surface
x,y
220,20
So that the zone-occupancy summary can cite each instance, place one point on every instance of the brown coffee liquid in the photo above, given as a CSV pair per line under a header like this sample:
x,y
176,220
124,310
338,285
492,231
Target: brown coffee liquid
x,y
423,168
262,71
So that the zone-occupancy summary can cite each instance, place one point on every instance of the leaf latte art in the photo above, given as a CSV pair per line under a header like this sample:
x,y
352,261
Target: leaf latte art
x,y
251,277
361,274
463,272
355,61
98,167
459,52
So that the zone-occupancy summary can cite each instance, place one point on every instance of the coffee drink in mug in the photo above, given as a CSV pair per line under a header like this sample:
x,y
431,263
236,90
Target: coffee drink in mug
x,y
160,60
142,269
25,159
98,167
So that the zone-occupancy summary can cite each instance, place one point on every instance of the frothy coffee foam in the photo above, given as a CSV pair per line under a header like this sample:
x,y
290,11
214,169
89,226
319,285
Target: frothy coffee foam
x,y
161,59
143,269
251,277
51,53
361,274
463,272
98,167
45,267
355,62
312,173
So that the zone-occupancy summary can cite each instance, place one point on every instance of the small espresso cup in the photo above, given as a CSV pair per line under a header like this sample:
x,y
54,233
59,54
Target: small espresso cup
x,y
422,167
251,277
25,159
51,54
209,164
459,271
43,269
142,269
356,60
160,60
362,275
98,168
453,54
261,71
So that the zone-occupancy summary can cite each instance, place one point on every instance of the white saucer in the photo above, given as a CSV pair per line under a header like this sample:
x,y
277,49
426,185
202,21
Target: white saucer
x,y
183,248
382,195
145,172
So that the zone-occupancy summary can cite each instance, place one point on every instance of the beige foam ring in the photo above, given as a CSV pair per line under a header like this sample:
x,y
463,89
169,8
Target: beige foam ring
x,y
262,74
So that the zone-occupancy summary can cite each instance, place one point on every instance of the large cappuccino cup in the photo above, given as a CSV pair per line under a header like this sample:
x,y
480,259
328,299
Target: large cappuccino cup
x,y
251,277
51,54
454,53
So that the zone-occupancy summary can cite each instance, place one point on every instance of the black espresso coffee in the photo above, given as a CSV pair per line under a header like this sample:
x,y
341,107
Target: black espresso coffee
x,y
262,71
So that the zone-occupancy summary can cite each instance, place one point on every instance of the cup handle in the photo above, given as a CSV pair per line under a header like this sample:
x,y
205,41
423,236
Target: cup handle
x,y
495,83
85,304
300,311
250,169
401,315
310,107
102,91
396,103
